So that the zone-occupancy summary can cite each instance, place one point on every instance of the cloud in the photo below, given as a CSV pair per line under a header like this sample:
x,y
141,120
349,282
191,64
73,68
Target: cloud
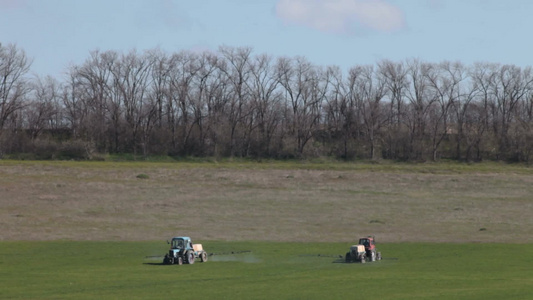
x,y
342,16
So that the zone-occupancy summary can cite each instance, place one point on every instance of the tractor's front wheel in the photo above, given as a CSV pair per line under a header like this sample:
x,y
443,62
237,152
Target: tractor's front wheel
x,y
378,257
167,260
348,258
180,261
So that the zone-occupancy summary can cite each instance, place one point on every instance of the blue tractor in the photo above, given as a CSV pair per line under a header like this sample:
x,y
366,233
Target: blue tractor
x,y
183,251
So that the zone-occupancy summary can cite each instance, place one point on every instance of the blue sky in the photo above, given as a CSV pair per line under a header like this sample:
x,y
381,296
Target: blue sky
x,y
58,33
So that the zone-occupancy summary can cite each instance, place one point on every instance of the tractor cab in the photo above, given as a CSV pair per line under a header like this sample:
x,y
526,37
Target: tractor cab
x,y
368,242
178,243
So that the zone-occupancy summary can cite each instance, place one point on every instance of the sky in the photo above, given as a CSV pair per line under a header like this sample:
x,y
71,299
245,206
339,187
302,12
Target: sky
x,y
57,34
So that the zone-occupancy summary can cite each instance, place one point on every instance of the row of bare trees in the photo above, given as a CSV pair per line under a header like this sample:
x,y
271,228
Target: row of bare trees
x,y
235,103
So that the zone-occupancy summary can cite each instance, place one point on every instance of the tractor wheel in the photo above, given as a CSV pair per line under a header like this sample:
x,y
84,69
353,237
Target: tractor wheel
x,y
189,257
166,260
378,257
373,256
348,258
363,259
203,257
180,261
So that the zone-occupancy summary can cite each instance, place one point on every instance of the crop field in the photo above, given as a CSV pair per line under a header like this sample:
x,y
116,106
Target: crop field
x,y
89,230
267,270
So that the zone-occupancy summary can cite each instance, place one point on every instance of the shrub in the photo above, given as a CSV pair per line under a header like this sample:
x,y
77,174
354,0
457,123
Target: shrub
x,y
143,176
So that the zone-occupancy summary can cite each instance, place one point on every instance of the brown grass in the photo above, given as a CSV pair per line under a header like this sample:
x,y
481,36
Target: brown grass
x,y
47,201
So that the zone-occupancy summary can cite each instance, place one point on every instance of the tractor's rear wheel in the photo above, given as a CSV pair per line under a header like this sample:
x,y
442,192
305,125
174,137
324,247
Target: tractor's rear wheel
x,y
203,257
189,256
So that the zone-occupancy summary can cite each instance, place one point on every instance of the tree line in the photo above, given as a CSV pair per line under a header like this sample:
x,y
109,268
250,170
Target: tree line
x,y
234,103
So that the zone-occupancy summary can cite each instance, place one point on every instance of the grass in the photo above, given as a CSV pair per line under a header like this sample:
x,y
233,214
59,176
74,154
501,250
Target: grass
x,y
129,270
86,230
281,201
443,167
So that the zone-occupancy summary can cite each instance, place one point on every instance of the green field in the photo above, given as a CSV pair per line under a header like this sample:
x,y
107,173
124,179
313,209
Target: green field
x,y
97,230
129,270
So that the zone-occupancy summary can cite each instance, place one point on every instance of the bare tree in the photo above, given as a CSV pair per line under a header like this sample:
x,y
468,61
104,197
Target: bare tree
x,y
73,109
368,92
233,103
462,114
132,82
206,86
339,114
215,85
305,87
14,65
160,83
43,108
185,68
266,99
508,87
237,70
478,116
444,81
396,83
420,102
524,136
95,79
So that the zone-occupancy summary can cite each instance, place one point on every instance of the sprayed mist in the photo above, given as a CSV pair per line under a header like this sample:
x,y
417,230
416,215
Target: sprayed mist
x,y
246,258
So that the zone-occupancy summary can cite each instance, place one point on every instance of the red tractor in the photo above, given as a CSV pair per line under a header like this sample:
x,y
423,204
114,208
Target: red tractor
x,y
364,251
